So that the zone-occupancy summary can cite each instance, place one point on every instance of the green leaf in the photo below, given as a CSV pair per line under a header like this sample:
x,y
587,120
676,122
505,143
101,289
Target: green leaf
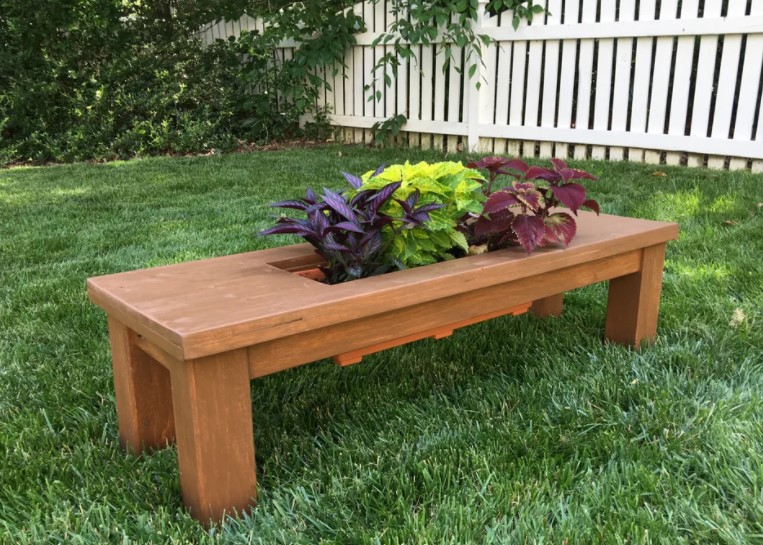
x,y
459,239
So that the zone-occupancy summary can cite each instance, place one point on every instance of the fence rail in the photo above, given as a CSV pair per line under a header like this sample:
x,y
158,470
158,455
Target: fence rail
x,y
606,80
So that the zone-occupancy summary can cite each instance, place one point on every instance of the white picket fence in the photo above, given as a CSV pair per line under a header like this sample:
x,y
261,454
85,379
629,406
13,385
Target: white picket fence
x,y
677,87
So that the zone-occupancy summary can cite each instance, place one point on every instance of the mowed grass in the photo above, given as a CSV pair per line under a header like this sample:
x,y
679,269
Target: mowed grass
x,y
517,430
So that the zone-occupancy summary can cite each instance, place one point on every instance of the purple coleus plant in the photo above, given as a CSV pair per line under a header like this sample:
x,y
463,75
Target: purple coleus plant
x,y
352,235
526,212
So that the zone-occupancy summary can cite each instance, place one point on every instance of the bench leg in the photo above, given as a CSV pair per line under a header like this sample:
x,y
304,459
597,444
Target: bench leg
x,y
143,394
215,439
548,306
634,301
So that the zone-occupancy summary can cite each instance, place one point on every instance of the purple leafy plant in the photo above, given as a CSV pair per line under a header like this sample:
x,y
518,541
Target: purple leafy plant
x,y
525,212
348,232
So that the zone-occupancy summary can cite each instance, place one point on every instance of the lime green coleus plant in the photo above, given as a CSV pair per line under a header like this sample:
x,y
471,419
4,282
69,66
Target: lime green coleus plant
x,y
451,184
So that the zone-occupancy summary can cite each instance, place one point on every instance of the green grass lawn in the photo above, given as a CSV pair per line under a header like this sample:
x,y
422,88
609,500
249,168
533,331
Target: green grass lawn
x,y
517,430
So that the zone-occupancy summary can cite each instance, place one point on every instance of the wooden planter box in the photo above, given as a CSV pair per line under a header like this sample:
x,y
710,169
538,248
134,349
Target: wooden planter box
x,y
186,339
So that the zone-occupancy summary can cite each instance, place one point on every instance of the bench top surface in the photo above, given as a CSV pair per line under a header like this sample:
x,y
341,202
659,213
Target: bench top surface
x,y
204,307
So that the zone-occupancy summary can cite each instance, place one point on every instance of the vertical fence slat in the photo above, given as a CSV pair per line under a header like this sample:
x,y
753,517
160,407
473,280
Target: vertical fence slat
x,y
438,114
454,94
328,76
370,86
357,81
466,84
585,77
487,91
402,88
603,84
502,85
679,104
550,75
727,80
751,77
427,92
567,77
704,78
378,15
519,66
338,83
439,84
641,80
663,58
621,91
414,89
532,92
358,93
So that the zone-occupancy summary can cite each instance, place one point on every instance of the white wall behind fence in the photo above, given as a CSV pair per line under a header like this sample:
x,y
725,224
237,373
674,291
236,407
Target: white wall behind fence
x,y
594,78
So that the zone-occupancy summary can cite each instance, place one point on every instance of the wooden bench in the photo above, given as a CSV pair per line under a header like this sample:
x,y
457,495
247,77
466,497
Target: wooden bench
x,y
186,339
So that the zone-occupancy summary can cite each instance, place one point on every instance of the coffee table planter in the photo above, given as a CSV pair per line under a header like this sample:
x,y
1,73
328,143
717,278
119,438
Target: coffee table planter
x,y
186,339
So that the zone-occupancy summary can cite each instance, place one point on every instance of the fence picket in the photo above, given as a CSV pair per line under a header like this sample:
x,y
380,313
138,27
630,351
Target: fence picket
x,y
642,80
567,77
550,75
704,78
679,105
503,85
585,79
751,77
727,80
603,85
660,88
532,91
519,66
427,73
621,91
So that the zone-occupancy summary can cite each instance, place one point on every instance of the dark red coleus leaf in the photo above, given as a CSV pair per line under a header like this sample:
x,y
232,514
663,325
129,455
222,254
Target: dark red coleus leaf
x,y
492,163
570,195
530,231
514,164
578,174
527,194
559,164
560,227
592,205
498,222
500,200
540,173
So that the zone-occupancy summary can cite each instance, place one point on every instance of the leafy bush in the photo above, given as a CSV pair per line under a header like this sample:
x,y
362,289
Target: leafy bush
x,y
112,78
106,78
453,186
